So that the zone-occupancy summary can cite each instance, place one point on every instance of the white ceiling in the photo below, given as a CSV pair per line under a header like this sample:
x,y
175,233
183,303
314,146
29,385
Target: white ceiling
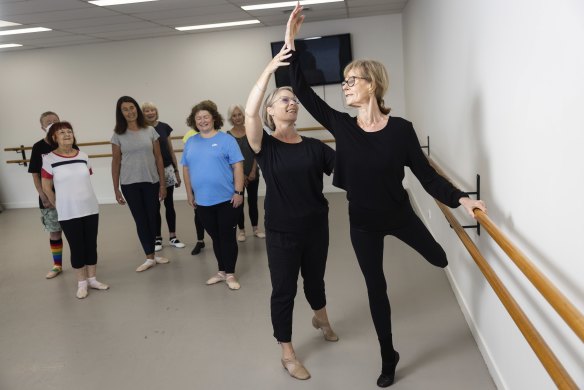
x,y
76,22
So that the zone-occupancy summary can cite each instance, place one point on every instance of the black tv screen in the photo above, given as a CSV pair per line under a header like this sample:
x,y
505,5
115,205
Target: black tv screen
x,y
322,59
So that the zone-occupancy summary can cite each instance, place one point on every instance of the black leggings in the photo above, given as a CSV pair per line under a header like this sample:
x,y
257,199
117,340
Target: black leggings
x,y
252,204
220,221
170,213
81,234
289,253
142,198
199,227
368,247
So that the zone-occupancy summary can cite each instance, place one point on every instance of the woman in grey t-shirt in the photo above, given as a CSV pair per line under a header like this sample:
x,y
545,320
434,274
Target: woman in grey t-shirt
x,y
138,168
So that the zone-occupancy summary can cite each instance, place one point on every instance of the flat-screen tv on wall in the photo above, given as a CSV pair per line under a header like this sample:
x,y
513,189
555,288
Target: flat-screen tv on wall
x,y
322,59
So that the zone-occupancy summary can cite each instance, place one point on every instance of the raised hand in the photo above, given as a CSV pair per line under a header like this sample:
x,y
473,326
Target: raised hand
x,y
279,60
293,26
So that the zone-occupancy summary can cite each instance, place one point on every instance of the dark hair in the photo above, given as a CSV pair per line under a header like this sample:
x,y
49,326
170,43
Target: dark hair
x,y
205,105
121,122
53,130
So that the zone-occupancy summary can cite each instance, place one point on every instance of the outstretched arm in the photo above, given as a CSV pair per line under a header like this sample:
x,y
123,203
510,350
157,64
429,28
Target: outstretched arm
x,y
253,121
293,26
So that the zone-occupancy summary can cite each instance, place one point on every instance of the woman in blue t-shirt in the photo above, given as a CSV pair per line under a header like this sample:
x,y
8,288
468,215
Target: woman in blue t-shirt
x,y
213,174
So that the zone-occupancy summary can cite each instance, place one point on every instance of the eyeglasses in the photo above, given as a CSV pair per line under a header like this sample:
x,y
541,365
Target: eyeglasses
x,y
286,100
351,81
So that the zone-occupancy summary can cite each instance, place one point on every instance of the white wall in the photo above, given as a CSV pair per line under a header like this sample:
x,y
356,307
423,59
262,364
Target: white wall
x,y
499,86
83,83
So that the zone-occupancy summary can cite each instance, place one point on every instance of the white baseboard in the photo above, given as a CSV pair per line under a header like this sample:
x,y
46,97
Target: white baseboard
x,y
482,345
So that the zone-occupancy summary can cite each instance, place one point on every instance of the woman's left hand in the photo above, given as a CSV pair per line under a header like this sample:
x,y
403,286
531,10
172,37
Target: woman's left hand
x,y
162,193
178,181
471,204
236,200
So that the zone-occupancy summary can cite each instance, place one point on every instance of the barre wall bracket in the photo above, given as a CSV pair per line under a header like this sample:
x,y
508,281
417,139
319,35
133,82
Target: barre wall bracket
x,y
478,196
427,146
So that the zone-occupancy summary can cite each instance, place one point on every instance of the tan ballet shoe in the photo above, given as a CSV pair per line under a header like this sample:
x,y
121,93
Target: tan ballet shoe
x,y
327,331
295,368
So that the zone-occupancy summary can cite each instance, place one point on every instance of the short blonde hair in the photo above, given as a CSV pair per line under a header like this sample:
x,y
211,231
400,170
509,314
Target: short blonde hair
x,y
232,108
151,106
267,118
374,72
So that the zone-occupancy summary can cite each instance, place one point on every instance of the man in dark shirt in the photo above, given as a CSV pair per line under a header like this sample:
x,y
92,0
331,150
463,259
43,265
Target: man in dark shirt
x,y
49,216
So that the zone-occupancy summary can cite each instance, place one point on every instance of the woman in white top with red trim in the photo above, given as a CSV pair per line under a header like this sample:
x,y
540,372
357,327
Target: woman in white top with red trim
x,y
66,181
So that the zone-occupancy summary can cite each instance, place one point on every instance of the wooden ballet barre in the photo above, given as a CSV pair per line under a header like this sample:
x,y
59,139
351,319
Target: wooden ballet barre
x,y
569,313
102,143
545,355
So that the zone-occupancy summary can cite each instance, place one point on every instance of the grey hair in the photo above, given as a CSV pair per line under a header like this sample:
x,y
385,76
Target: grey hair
x,y
232,108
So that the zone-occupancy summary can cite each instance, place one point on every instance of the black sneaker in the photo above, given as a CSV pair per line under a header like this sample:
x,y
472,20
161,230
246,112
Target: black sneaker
x,y
197,249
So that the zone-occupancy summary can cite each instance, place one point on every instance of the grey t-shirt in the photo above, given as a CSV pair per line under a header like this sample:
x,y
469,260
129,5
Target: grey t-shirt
x,y
138,162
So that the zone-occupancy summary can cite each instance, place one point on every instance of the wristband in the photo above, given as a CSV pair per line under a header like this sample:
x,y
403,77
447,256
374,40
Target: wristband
x,y
238,193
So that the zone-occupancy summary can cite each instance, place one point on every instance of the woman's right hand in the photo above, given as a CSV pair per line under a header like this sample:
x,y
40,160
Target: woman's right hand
x,y
119,198
293,26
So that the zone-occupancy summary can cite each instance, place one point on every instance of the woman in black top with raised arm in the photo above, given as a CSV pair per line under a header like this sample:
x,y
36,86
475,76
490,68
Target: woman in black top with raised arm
x,y
373,149
296,211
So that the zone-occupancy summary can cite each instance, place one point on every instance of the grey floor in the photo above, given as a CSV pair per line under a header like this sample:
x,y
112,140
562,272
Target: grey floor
x,y
165,328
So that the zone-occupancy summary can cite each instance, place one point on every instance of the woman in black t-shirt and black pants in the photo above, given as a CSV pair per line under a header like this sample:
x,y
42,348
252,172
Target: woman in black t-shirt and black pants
x,y
296,211
372,151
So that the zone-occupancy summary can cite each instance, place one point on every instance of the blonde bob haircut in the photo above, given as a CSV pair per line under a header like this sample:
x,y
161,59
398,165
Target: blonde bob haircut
x,y
267,118
374,72
232,108
152,106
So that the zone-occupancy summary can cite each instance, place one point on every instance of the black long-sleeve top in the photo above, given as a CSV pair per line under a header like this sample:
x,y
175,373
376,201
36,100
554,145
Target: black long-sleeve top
x,y
370,165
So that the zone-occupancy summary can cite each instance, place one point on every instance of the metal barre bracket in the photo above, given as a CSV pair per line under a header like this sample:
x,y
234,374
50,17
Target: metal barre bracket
x,y
427,146
23,153
478,194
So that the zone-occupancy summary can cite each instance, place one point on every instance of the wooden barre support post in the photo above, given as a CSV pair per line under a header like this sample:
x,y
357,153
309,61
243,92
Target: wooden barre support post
x,y
550,362
556,299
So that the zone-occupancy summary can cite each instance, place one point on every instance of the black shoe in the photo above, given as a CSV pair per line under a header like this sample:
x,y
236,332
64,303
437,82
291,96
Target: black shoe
x,y
197,249
388,373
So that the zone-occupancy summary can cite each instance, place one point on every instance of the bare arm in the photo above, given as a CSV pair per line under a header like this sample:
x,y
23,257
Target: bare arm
x,y
160,169
116,168
36,178
238,179
188,188
253,121
47,188
174,162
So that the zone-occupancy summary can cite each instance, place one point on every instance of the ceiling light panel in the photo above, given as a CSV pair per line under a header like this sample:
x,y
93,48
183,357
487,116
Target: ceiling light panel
x,y
24,31
108,3
218,25
286,4
4,23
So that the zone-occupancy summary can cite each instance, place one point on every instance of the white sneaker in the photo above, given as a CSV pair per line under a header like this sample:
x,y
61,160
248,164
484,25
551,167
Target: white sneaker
x,y
241,235
157,245
175,242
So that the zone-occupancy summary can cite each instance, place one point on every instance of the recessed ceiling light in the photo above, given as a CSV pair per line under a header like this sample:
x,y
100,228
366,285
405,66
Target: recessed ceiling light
x,y
105,3
4,23
7,45
24,31
217,25
285,4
